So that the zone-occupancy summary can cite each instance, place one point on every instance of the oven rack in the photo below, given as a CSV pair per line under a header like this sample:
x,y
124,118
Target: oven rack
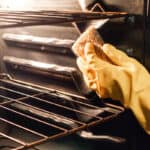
x,y
45,114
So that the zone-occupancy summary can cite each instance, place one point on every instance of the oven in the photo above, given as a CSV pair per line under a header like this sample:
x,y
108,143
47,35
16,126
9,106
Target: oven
x,y
44,102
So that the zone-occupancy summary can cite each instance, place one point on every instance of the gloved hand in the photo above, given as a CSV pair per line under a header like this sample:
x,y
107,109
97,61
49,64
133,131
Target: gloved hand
x,y
112,74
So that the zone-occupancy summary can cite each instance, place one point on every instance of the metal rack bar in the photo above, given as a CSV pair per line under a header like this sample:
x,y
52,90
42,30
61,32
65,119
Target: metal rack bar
x,y
28,18
36,133
69,99
52,103
13,139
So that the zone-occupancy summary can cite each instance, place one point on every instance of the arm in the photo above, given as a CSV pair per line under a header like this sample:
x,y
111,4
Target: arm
x,y
112,74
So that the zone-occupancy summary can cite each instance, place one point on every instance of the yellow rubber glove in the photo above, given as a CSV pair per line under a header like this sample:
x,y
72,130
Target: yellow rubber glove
x,y
112,74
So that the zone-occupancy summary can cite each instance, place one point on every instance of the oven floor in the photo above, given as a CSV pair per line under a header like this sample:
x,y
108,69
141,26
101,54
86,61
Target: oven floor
x,y
77,143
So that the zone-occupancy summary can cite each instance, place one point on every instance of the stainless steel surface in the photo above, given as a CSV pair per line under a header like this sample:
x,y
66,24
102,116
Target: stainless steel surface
x,y
29,39
53,70
39,43
70,74
85,3
43,56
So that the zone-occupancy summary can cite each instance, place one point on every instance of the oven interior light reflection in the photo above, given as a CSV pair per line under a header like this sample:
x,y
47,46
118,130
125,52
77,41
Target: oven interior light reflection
x,y
15,4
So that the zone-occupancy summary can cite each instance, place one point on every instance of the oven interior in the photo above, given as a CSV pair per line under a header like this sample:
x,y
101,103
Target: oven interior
x,y
42,111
